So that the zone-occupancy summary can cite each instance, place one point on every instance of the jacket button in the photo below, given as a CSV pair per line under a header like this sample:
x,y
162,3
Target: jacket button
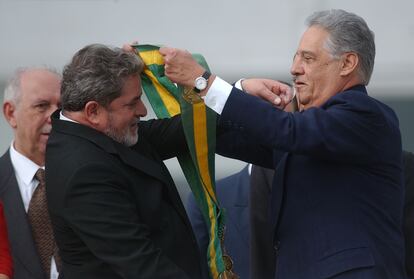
x,y
277,246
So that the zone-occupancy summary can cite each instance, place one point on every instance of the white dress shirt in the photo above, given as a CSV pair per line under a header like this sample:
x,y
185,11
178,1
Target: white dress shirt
x,y
25,170
218,93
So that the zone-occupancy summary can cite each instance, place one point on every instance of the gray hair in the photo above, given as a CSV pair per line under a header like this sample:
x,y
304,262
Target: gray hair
x,y
348,32
12,91
97,73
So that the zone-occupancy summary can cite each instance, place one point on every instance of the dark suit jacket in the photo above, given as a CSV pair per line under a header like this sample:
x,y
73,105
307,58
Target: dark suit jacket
x,y
26,261
409,212
115,210
263,255
337,195
233,196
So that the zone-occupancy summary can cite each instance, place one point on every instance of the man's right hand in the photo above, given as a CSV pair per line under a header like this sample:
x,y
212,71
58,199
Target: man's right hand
x,y
275,92
180,66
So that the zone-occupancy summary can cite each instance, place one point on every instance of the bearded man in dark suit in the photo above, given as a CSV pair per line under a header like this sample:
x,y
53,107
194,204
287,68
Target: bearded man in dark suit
x,y
114,207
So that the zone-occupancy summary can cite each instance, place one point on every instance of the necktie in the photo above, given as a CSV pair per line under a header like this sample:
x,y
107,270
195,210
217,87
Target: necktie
x,y
41,226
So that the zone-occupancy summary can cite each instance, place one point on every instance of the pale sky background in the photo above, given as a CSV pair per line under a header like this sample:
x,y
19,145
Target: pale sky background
x,y
239,38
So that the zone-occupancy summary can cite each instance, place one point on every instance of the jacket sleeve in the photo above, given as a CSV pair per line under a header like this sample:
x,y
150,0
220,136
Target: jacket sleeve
x,y
166,136
350,127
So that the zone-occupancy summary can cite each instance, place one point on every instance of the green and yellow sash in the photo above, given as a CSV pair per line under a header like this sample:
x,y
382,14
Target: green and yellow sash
x,y
199,123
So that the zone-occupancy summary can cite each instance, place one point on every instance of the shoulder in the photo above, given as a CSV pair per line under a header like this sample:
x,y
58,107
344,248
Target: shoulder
x,y
77,160
6,168
5,158
357,98
356,101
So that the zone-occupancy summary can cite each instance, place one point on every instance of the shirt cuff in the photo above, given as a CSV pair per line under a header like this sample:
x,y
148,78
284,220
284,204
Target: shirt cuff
x,y
238,84
217,95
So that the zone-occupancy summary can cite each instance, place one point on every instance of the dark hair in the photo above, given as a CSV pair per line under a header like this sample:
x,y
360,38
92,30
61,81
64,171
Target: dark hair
x,y
97,73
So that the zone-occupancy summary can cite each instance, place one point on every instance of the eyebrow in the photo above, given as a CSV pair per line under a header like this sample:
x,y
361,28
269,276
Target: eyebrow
x,y
40,101
304,52
307,52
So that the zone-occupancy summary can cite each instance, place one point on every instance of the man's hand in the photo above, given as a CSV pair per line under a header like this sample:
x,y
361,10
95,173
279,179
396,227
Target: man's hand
x,y
130,46
275,92
180,66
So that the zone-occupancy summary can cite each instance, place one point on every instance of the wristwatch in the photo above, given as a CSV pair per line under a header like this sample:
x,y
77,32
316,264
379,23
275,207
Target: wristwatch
x,y
200,83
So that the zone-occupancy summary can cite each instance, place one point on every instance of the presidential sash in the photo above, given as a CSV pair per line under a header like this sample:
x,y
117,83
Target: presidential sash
x,y
199,123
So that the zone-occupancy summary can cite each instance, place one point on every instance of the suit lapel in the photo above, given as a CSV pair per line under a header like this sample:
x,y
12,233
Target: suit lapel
x,y
19,230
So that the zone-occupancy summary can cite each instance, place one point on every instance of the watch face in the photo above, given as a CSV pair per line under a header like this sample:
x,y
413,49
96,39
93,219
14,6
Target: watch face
x,y
200,83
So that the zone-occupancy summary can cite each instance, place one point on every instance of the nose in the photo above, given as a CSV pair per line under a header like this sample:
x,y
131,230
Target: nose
x,y
52,109
141,110
296,68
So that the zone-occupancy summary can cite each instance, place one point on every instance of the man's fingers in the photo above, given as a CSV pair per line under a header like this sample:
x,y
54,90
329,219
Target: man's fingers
x,y
168,52
269,96
277,101
163,50
280,88
128,47
285,92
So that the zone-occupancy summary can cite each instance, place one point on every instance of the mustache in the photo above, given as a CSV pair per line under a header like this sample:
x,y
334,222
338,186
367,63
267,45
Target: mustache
x,y
135,122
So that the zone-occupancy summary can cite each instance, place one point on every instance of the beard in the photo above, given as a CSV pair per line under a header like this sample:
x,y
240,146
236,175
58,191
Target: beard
x,y
126,136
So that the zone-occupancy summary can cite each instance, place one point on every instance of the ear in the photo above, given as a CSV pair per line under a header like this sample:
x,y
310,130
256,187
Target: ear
x,y
94,113
350,62
9,111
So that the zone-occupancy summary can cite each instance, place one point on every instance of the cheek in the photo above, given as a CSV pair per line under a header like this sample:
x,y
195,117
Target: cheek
x,y
41,124
130,117
317,83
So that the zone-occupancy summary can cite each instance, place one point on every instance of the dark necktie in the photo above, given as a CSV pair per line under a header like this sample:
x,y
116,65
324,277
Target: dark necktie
x,y
41,226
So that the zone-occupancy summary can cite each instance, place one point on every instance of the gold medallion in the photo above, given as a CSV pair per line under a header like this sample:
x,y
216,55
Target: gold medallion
x,y
228,275
191,97
228,262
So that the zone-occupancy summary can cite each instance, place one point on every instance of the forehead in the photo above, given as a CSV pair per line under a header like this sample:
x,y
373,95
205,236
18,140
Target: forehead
x,y
313,40
39,84
132,87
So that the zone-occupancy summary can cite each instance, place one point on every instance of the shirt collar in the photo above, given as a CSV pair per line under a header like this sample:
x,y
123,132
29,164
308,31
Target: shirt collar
x,y
24,168
62,117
